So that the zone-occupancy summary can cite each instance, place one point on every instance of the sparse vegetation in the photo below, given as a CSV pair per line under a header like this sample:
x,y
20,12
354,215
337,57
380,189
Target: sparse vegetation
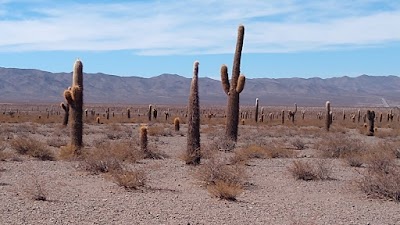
x,y
32,147
319,170
222,180
129,179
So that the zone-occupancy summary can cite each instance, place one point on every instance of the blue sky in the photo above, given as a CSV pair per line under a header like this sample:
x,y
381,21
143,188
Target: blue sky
x,y
284,38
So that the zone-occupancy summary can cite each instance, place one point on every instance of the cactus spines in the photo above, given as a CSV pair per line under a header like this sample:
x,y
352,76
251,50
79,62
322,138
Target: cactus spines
x,y
193,137
149,113
328,117
371,118
74,97
256,112
293,113
65,107
177,124
143,139
233,88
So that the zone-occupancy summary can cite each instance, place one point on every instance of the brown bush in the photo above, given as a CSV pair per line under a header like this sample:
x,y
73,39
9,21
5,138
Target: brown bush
x,y
109,157
222,180
298,144
129,179
382,182
307,171
32,147
339,145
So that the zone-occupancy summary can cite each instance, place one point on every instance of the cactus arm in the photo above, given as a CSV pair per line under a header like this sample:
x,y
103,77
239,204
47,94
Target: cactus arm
x,y
240,84
225,79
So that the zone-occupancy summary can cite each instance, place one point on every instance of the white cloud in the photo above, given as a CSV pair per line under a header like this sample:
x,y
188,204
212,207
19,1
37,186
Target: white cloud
x,y
201,27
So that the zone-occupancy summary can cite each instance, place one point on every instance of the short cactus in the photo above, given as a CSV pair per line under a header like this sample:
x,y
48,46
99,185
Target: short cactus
x,y
193,136
233,89
74,97
177,124
143,139
128,113
283,117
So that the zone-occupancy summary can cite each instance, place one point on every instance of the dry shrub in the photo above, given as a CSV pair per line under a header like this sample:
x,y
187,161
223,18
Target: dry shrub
x,y
278,150
382,177
32,147
222,180
242,155
57,142
159,131
267,150
339,145
298,144
109,157
321,170
131,180
36,190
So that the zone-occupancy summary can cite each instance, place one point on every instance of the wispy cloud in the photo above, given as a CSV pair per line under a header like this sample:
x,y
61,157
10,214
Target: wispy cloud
x,y
196,26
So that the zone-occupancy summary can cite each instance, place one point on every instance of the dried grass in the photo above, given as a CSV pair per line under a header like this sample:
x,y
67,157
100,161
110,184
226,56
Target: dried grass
x,y
300,170
32,147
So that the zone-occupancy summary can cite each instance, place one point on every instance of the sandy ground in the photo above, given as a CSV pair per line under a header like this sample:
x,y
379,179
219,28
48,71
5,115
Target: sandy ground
x,y
173,195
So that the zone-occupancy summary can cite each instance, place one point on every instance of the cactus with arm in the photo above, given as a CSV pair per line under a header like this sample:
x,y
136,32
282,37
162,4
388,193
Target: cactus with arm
x,y
233,89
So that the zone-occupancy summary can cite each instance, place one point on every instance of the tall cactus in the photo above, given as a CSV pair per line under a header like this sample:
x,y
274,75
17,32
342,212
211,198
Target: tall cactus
x,y
256,111
233,88
328,117
74,97
371,120
149,112
193,137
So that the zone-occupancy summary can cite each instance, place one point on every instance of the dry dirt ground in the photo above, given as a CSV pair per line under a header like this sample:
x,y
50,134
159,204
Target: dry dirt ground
x,y
173,194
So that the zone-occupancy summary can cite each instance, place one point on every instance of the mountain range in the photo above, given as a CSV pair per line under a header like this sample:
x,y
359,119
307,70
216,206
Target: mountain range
x,y
36,86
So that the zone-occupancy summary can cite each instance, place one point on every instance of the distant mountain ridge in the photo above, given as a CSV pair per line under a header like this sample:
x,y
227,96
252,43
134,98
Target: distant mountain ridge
x,y
30,85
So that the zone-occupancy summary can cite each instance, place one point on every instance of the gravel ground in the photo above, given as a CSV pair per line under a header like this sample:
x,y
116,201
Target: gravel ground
x,y
174,196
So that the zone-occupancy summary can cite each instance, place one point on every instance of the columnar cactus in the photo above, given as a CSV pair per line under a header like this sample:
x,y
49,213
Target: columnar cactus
x,y
149,113
74,97
177,124
193,136
143,139
233,89
128,113
328,117
256,111
371,118
292,114
65,107
283,116
358,116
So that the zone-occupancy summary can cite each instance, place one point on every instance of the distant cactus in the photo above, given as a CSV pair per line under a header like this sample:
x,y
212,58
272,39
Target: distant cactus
x,y
155,113
65,107
328,117
74,97
177,124
302,114
358,116
128,113
233,89
344,115
256,111
149,113
193,136
380,117
98,120
108,113
371,118
283,116
143,139
293,113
